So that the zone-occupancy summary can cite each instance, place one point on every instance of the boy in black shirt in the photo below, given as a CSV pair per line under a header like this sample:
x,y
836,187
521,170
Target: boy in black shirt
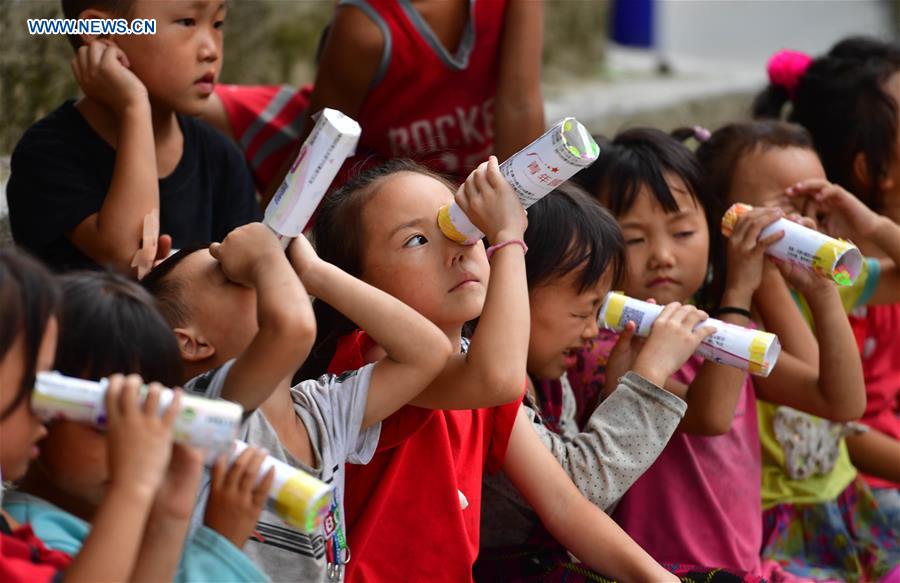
x,y
88,179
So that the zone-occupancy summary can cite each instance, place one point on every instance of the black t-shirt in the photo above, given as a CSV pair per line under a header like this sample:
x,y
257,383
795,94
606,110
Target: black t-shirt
x,y
61,171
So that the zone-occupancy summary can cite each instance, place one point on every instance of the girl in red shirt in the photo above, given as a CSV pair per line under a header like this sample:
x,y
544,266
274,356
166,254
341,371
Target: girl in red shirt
x,y
413,512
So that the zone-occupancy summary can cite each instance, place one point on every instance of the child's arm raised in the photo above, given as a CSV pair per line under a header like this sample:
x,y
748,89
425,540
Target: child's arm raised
x,y
629,429
251,256
580,526
113,235
519,106
416,349
139,447
834,387
847,217
493,372
713,395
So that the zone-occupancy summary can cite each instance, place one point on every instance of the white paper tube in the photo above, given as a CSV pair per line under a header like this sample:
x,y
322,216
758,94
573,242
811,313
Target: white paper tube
x,y
834,258
203,423
332,140
751,350
296,497
533,172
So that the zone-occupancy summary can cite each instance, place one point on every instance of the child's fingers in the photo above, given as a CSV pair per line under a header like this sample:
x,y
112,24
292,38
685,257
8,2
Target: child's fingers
x,y
131,394
215,249
217,475
96,50
174,409
623,342
150,406
767,242
480,179
493,172
248,478
667,312
113,398
236,471
694,317
704,332
261,491
805,187
108,57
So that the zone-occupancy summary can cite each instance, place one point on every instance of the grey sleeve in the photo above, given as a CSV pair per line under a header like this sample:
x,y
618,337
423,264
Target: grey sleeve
x,y
210,383
341,401
623,437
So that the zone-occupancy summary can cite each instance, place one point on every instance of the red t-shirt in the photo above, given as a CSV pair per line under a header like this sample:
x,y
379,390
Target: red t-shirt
x,y
25,559
413,513
876,329
266,123
426,103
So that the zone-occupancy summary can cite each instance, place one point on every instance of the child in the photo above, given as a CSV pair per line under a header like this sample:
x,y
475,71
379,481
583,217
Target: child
x,y
111,324
576,254
414,510
138,460
809,484
127,162
711,468
849,100
446,82
316,425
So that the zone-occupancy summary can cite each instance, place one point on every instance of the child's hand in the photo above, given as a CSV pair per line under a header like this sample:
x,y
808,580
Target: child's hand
x,y
673,338
745,250
235,500
178,493
491,204
102,71
838,212
247,251
302,256
140,440
621,358
801,278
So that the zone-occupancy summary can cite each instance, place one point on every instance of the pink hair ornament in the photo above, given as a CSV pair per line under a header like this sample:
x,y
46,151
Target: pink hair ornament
x,y
701,134
785,69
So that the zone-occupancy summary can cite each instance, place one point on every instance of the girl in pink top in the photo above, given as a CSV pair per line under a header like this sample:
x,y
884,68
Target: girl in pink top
x,y
700,501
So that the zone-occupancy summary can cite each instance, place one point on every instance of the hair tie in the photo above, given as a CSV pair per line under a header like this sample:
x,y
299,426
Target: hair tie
x,y
701,134
786,68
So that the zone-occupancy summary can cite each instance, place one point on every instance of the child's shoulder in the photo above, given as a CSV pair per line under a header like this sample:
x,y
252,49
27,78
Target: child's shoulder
x,y
63,127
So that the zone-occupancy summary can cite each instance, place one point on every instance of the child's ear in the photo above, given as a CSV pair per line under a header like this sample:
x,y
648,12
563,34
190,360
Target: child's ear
x,y
93,13
193,346
862,178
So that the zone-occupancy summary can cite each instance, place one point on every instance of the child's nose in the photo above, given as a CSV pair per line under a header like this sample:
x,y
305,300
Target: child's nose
x,y
661,256
592,328
209,47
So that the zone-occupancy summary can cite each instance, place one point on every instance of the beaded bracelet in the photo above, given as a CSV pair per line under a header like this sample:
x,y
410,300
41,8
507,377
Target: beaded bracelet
x,y
493,248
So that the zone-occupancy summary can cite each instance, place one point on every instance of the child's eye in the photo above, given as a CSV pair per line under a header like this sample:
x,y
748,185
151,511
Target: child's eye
x,y
219,24
186,21
415,241
584,316
683,234
634,241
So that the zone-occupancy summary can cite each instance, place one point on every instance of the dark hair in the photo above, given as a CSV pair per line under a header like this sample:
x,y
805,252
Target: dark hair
x,y
29,297
167,289
641,157
841,99
338,237
568,231
110,324
73,8
721,153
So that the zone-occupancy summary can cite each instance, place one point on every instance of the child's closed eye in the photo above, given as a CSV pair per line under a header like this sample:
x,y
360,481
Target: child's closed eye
x,y
415,241
634,241
186,21
683,234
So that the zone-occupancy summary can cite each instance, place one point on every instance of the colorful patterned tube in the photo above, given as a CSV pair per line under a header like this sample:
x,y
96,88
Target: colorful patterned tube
x,y
751,350
533,172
